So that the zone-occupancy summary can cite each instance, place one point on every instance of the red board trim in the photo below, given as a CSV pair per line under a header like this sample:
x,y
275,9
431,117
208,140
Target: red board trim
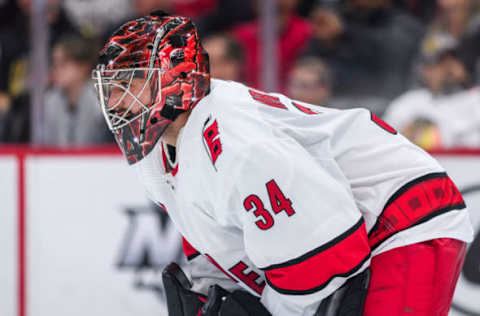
x,y
456,152
114,150
52,151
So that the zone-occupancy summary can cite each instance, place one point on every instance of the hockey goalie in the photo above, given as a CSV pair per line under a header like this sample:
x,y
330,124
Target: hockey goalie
x,y
286,208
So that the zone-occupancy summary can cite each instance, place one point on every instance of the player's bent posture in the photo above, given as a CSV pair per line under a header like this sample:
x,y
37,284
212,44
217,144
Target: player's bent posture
x,y
285,209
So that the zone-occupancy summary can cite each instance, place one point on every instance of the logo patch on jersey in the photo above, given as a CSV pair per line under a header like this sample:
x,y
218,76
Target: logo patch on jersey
x,y
211,140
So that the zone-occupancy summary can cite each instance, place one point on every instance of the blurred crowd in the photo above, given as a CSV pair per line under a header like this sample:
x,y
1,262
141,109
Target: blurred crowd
x,y
414,62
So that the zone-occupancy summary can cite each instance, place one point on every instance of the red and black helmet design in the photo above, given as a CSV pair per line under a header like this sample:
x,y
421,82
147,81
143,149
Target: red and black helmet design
x,y
165,53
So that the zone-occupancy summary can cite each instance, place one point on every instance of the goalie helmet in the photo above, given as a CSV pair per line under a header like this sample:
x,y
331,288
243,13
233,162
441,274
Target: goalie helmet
x,y
151,70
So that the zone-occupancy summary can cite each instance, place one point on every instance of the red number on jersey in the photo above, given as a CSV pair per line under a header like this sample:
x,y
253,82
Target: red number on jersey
x,y
254,201
267,99
382,124
278,201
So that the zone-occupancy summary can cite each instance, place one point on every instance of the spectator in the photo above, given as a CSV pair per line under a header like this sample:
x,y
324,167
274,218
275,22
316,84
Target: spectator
x,y
422,9
459,19
72,115
293,34
8,10
310,81
201,11
306,6
143,7
194,8
370,47
15,43
227,15
93,16
15,48
139,8
443,113
455,18
191,8
226,57
442,71
14,119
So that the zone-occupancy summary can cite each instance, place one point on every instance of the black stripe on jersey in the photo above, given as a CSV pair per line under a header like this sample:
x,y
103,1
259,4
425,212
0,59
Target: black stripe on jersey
x,y
318,250
193,256
322,286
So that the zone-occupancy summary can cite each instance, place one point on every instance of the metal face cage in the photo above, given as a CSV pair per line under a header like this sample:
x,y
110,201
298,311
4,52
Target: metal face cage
x,y
126,94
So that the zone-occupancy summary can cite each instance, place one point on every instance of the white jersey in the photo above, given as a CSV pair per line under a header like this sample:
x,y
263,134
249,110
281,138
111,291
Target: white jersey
x,y
290,202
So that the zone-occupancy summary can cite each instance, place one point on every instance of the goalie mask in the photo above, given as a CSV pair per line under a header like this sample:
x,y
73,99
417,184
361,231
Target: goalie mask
x,y
151,70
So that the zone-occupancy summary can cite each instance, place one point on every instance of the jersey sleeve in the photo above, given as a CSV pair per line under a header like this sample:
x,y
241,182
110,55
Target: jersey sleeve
x,y
405,188
300,225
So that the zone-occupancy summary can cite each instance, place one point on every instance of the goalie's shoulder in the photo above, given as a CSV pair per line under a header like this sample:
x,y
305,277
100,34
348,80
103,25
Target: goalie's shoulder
x,y
220,129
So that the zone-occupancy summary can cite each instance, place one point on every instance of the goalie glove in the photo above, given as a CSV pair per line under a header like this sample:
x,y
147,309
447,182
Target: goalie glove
x,y
349,300
238,303
181,301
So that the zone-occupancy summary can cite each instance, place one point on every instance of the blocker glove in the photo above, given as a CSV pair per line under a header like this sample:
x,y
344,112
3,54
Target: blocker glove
x,y
181,301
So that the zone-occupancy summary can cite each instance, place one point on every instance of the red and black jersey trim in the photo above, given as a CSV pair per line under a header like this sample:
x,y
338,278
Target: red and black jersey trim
x,y
313,271
415,203
190,252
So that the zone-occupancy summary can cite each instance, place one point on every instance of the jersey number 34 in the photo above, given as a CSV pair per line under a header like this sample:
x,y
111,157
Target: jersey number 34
x,y
278,202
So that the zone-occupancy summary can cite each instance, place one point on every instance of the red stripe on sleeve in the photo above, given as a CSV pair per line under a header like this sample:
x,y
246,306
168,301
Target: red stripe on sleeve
x,y
304,109
416,203
188,249
267,99
311,272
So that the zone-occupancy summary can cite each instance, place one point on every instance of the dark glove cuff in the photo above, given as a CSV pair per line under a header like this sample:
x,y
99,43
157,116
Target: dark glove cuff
x,y
241,303
180,300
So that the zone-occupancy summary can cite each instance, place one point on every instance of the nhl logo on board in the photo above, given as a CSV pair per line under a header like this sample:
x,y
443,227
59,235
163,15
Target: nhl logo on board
x,y
150,243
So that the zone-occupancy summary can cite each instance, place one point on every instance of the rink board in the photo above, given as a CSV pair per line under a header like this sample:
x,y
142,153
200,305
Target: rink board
x,y
464,168
85,211
8,235
86,241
